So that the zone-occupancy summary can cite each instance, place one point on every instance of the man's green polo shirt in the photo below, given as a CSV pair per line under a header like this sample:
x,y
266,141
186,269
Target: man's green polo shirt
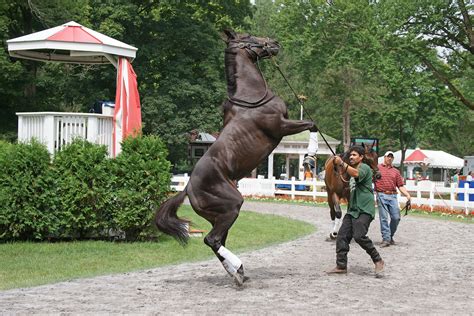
x,y
362,196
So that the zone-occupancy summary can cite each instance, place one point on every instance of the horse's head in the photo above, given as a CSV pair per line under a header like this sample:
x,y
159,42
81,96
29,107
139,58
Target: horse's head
x,y
256,47
371,159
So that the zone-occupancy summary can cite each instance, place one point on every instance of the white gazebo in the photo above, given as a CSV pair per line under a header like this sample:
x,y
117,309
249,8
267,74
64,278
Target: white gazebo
x,y
296,147
70,43
74,43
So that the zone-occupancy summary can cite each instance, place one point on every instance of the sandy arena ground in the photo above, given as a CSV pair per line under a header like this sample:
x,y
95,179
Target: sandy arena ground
x,y
429,271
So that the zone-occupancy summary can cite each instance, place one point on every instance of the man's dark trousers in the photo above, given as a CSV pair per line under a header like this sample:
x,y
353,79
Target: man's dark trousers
x,y
356,228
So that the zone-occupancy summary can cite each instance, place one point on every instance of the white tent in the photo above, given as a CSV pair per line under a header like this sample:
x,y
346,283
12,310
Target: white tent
x,y
437,159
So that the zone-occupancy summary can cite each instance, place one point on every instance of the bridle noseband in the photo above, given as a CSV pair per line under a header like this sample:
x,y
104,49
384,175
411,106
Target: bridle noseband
x,y
250,48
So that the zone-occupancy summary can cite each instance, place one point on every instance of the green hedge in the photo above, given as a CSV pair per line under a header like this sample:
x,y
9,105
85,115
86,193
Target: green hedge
x,y
82,187
81,193
141,181
25,192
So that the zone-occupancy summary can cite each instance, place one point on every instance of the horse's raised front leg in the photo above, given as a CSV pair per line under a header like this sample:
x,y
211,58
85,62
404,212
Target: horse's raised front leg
x,y
290,127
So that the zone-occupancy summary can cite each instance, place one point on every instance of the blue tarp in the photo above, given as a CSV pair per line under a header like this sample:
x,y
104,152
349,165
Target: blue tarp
x,y
461,195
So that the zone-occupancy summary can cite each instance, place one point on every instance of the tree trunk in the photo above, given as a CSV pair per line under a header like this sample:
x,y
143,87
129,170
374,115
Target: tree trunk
x,y
346,124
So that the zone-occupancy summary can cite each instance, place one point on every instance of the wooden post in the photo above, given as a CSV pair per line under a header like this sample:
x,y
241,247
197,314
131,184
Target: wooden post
x,y
92,131
48,132
293,188
466,197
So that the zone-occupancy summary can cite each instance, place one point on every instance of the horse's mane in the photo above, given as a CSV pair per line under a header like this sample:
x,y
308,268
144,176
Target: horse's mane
x,y
230,70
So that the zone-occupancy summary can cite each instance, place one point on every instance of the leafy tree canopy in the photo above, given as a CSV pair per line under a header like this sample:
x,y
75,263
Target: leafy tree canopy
x,y
399,70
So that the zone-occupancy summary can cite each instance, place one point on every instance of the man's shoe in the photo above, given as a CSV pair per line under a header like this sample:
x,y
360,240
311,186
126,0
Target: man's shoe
x,y
337,270
392,242
385,243
379,266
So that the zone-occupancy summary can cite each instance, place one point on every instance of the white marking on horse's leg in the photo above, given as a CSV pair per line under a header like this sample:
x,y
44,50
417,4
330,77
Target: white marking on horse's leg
x,y
337,224
231,262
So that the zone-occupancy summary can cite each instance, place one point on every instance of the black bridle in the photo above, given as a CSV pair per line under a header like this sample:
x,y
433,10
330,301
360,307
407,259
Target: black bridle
x,y
251,49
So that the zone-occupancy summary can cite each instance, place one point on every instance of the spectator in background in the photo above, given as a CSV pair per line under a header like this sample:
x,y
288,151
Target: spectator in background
x,y
456,177
469,176
387,200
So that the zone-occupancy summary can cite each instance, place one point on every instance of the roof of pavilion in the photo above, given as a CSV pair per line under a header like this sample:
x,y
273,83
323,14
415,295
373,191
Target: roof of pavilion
x,y
304,137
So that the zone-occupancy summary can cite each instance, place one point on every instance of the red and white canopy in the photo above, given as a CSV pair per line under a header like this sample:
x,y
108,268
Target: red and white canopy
x,y
74,43
127,114
435,158
417,157
70,43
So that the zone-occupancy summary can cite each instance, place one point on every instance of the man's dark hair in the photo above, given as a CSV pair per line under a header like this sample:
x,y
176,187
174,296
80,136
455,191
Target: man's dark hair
x,y
358,149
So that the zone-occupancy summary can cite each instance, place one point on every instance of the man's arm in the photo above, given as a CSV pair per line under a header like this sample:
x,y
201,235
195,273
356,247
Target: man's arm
x,y
400,184
353,172
404,191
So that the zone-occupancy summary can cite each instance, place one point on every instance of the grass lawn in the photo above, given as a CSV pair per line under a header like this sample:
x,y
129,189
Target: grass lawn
x,y
25,264
463,218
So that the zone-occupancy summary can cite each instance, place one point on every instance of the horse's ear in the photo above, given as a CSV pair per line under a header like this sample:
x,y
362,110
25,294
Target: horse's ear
x,y
228,35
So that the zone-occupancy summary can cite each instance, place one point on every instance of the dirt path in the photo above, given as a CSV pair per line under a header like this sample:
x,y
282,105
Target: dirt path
x,y
430,270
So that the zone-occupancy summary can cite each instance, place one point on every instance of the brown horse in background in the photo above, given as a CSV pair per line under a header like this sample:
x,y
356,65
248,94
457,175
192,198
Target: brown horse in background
x,y
337,184
255,121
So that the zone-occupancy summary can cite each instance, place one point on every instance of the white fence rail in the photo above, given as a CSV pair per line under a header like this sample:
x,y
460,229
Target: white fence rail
x,y
426,193
56,129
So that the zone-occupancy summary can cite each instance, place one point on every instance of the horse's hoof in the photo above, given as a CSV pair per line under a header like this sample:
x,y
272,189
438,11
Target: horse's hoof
x,y
239,277
333,236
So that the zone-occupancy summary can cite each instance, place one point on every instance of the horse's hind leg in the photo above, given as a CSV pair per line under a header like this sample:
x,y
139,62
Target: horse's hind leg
x,y
226,214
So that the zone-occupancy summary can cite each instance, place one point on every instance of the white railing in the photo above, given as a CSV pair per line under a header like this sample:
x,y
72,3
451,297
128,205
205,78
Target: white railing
x,y
56,129
425,194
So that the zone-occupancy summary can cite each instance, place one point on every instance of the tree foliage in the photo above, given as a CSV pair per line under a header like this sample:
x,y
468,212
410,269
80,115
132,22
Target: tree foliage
x,y
399,70
365,72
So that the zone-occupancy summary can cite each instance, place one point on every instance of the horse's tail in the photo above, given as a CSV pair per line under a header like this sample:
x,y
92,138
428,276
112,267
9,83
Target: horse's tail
x,y
169,223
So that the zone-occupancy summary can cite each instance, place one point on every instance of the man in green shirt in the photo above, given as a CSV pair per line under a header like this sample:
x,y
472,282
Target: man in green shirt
x,y
360,213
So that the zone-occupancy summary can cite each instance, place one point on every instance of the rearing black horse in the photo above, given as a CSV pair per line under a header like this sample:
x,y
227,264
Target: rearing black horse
x,y
255,121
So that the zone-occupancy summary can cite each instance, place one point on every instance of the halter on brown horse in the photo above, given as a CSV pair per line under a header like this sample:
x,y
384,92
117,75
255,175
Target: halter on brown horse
x,y
337,184
255,121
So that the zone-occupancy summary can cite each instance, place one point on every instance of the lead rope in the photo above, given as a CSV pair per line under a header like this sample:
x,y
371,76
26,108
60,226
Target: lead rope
x,y
301,104
407,207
